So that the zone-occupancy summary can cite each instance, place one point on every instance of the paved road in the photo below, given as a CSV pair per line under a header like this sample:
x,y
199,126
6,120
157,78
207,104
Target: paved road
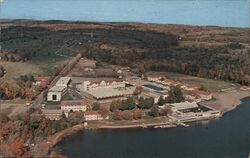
x,y
39,99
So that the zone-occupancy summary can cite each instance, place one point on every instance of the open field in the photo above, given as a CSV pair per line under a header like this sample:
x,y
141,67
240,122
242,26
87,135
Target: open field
x,y
14,107
213,85
14,70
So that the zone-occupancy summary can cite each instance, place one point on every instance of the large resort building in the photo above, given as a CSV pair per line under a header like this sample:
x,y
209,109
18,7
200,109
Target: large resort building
x,y
105,89
93,85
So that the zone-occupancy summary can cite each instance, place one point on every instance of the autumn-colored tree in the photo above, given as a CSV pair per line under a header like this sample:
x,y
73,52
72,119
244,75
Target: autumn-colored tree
x,y
43,124
5,129
127,115
154,111
167,111
18,147
117,115
103,111
95,106
26,117
138,90
137,114
4,118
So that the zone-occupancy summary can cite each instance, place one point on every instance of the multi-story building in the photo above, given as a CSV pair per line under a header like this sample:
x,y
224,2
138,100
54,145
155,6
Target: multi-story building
x,y
92,85
74,105
52,114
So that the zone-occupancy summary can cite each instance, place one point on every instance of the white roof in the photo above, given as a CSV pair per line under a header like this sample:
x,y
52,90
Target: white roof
x,y
57,89
184,105
52,111
63,81
105,93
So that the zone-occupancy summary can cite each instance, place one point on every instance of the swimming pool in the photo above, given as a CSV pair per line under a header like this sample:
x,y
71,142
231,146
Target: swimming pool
x,y
153,87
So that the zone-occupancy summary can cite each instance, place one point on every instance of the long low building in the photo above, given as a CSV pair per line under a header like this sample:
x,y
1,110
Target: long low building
x,y
63,81
191,111
74,105
94,116
93,85
103,93
184,105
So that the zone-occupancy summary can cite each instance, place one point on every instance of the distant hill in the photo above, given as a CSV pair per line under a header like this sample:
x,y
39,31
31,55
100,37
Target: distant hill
x,y
210,52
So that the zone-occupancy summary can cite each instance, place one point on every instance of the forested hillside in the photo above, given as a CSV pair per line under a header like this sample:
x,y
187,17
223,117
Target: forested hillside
x,y
210,52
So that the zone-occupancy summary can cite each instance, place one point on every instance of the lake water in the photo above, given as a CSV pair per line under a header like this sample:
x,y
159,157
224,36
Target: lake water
x,y
228,137
233,13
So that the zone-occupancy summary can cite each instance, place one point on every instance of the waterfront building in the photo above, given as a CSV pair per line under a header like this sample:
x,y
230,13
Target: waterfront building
x,y
183,105
94,115
74,105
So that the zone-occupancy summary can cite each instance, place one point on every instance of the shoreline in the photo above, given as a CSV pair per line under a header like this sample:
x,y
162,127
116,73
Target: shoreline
x,y
227,101
48,144
221,97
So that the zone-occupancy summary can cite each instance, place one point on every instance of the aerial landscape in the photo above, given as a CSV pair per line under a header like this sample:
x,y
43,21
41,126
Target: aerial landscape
x,y
79,83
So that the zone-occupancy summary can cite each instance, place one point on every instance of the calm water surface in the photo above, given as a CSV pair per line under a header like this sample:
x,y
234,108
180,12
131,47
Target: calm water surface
x,y
228,137
194,12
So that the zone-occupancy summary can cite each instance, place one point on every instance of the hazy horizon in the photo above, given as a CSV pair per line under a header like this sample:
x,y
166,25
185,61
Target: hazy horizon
x,y
228,13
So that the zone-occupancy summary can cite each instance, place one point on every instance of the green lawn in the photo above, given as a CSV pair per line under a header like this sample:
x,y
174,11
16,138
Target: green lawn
x,y
213,85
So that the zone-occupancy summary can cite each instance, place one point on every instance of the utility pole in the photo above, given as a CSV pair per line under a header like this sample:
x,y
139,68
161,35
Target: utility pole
x,y
0,39
91,35
0,59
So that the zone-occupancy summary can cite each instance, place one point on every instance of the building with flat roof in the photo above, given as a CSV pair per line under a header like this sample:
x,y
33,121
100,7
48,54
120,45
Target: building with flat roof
x,y
103,93
63,81
184,105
